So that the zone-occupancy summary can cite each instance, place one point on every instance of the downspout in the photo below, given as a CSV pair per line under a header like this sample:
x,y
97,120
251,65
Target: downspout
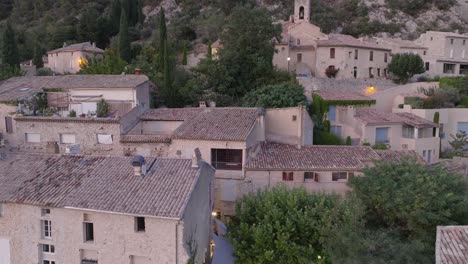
x,y
300,127
177,242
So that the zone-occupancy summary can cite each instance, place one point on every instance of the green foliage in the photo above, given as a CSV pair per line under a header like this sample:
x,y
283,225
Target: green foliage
x,y
440,98
209,55
110,63
458,143
405,65
460,83
44,72
380,145
436,117
7,72
72,113
407,200
323,137
288,226
414,7
102,109
184,55
38,53
162,38
124,40
348,141
276,96
10,54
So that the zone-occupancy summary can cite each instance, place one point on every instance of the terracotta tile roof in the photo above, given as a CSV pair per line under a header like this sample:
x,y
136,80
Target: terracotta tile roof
x,y
330,95
99,183
416,121
19,87
340,40
398,155
85,46
452,245
371,116
230,124
274,156
53,119
171,114
145,139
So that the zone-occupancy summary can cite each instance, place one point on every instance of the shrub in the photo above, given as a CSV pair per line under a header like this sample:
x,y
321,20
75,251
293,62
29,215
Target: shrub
x,y
102,108
72,113
348,141
404,66
380,145
326,138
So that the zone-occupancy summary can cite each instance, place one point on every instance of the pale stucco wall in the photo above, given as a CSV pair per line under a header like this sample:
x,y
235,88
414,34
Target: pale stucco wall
x,y
7,110
67,62
85,135
345,61
267,179
281,127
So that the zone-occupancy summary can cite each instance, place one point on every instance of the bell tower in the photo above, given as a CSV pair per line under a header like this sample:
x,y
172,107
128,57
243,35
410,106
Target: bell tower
x,y
301,10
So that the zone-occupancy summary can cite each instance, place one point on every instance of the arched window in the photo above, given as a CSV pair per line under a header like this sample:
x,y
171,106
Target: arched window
x,y
301,12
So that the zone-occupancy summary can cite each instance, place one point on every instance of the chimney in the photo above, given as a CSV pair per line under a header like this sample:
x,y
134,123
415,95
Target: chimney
x,y
94,44
137,71
196,158
202,104
139,166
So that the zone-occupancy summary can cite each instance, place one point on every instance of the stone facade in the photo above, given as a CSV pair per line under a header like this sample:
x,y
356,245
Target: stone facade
x,y
85,132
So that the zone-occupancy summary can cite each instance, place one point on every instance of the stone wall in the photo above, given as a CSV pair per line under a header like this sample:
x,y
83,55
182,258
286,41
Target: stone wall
x,y
85,132
115,238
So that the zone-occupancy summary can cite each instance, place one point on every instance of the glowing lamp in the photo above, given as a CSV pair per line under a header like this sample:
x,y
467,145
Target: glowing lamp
x,y
80,61
370,90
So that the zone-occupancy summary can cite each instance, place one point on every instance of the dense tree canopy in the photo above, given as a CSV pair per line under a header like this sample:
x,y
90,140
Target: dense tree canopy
x,y
10,48
110,63
405,65
276,96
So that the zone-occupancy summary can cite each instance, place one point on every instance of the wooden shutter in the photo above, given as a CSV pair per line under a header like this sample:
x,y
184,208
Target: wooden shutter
x,y
9,124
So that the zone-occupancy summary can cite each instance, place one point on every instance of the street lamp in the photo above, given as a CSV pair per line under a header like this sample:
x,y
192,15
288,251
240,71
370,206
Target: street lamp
x,y
289,59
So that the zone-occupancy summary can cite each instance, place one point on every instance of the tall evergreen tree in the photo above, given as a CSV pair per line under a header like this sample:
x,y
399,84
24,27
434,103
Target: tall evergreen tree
x,y
10,47
38,52
141,16
184,55
124,40
162,37
116,9
209,54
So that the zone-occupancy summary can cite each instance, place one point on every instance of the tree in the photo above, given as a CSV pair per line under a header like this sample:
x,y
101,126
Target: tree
x,y
288,226
124,40
102,109
38,53
405,65
276,96
458,143
10,47
209,54
110,63
162,37
87,25
169,92
184,55
409,200
115,15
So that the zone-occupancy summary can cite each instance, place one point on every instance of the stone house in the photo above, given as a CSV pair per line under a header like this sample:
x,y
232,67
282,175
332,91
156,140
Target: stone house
x,y
316,168
80,93
68,59
305,50
225,136
96,209
447,53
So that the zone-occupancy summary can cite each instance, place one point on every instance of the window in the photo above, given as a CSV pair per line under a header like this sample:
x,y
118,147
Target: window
x,y
67,138
356,54
449,68
46,229
381,134
46,248
9,124
428,65
408,131
371,56
105,139
45,212
139,224
33,137
299,57
288,176
424,52
451,41
336,130
301,12
424,154
294,118
226,159
298,41
339,176
331,113
332,53
87,261
371,72
378,72
386,57
88,232
310,176
451,53
48,261
464,42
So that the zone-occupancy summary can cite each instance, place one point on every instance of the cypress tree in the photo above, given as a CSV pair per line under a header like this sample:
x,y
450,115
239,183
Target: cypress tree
x,y
37,58
184,55
209,56
10,47
116,9
124,41
141,16
168,93
162,37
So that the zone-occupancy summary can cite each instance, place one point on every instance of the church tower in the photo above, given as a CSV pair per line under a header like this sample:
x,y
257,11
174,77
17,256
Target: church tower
x,y
301,10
